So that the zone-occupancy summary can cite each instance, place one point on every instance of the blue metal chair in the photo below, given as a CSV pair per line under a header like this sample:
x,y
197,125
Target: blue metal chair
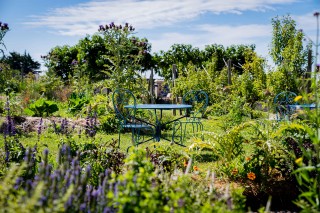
x,y
199,101
127,116
281,105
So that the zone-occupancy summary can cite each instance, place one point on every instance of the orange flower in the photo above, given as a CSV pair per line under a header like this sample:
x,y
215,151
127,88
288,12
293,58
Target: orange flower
x,y
251,176
234,171
248,158
195,168
185,163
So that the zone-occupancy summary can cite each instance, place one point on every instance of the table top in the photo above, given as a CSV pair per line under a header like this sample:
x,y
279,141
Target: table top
x,y
160,106
303,106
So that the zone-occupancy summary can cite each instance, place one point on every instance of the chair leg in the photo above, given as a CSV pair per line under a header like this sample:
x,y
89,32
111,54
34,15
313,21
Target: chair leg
x,y
201,130
132,136
185,130
119,131
177,127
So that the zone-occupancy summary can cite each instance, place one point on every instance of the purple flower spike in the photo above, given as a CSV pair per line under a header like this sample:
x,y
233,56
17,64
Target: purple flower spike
x,y
46,152
83,207
40,126
88,170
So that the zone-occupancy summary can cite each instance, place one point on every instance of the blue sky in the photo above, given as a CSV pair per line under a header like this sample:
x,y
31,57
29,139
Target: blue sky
x,y
36,26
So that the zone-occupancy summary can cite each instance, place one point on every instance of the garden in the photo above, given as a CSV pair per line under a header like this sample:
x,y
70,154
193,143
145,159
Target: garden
x,y
60,150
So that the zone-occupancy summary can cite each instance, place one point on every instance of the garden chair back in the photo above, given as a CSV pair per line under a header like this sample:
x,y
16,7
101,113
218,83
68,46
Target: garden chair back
x,y
127,116
199,101
281,104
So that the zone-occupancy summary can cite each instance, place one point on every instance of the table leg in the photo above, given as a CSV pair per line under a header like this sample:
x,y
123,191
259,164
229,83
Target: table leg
x,y
158,132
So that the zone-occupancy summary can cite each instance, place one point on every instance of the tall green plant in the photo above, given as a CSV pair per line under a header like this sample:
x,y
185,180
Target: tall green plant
x,y
4,28
307,153
124,56
288,52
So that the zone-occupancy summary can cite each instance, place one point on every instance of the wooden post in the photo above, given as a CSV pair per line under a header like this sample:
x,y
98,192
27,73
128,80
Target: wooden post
x,y
174,75
229,72
151,87
309,70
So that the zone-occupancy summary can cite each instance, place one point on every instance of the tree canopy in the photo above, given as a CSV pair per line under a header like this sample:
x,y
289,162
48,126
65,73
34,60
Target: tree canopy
x,y
21,62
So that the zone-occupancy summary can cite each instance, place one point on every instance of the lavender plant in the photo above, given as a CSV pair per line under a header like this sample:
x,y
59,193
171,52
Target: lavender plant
x,y
14,150
140,188
91,123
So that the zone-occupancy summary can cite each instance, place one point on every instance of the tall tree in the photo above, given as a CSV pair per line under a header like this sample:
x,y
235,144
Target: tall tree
x,y
60,60
287,51
23,63
179,54
112,53
125,54
182,55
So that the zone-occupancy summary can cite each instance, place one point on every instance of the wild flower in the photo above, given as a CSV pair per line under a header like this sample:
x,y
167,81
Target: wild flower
x,y
10,130
74,62
299,160
39,128
4,26
91,123
251,176
55,127
185,163
297,98
64,126
195,168
234,171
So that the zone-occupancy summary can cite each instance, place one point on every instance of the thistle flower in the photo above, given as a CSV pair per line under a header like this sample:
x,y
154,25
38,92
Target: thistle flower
x,y
101,28
5,25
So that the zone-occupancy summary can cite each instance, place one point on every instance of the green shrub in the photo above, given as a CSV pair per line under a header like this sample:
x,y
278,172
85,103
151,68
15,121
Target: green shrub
x,y
77,101
41,108
108,123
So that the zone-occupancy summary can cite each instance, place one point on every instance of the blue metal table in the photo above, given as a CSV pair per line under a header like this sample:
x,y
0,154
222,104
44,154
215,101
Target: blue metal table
x,y
302,106
159,125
